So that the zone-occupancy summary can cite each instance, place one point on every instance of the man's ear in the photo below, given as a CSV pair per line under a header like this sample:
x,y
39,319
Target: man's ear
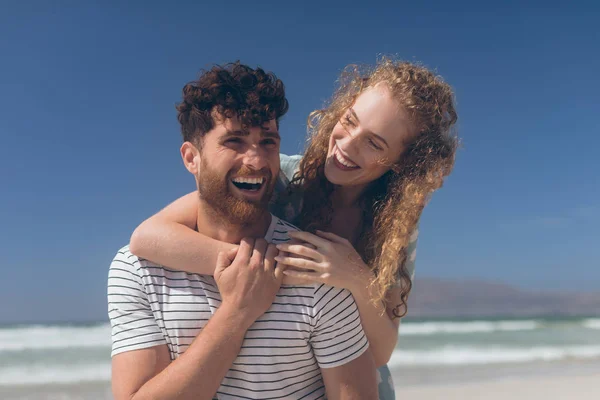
x,y
191,157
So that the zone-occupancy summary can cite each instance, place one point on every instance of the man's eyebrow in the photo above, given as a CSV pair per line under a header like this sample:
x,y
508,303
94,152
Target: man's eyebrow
x,y
270,134
372,133
236,133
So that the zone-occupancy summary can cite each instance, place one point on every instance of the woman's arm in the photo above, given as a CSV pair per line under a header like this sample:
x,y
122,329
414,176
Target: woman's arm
x,y
170,238
378,323
382,330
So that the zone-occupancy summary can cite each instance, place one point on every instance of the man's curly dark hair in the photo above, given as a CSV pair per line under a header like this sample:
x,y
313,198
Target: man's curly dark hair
x,y
232,90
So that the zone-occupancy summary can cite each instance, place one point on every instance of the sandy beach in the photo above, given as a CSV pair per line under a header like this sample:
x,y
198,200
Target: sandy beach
x,y
532,381
586,387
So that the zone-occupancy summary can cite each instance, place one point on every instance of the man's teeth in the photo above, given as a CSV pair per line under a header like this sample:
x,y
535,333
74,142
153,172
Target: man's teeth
x,y
343,161
250,181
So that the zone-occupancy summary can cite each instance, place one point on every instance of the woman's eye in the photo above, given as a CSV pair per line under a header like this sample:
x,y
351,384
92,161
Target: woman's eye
x,y
233,140
349,121
374,145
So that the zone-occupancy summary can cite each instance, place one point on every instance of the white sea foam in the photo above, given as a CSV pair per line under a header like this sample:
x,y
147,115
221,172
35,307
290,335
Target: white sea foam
x,y
466,355
592,323
432,328
54,337
39,374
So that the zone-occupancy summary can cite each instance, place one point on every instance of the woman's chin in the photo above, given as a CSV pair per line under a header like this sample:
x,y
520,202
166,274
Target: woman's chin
x,y
332,176
337,181
335,176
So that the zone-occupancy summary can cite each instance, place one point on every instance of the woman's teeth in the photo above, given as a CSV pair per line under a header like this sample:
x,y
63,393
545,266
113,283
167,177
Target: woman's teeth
x,y
342,160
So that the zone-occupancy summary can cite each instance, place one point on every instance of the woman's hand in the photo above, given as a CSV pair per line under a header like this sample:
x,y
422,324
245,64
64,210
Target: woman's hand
x,y
325,258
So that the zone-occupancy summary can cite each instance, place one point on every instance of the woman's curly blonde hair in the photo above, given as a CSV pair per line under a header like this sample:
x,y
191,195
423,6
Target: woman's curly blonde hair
x,y
392,204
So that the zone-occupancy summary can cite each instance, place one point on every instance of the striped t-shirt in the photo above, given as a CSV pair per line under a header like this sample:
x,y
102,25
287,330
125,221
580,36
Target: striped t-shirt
x,y
308,327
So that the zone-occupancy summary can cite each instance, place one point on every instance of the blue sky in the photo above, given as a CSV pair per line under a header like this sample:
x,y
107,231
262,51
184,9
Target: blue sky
x,y
89,142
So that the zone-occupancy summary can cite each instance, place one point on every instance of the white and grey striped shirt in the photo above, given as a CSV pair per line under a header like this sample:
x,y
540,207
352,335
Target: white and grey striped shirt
x,y
308,327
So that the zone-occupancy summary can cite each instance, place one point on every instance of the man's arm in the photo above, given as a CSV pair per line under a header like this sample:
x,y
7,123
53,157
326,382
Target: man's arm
x,y
354,380
196,374
248,283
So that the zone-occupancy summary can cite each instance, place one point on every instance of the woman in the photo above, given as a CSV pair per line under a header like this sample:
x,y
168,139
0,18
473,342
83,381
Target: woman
x,y
375,155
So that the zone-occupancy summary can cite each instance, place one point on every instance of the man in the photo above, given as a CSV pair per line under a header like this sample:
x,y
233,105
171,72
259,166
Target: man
x,y
240,334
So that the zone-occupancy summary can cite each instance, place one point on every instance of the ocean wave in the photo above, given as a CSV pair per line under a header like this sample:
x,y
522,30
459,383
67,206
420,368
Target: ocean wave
x,y
432,328
54,337
592,323
459,355
39,374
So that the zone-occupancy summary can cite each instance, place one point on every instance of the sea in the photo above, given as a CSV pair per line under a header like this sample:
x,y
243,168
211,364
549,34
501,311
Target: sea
x,y
72,361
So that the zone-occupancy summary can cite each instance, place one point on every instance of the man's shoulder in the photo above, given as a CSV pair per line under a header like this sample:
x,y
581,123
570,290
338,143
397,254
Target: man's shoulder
x,y
124,259
125,256
139,270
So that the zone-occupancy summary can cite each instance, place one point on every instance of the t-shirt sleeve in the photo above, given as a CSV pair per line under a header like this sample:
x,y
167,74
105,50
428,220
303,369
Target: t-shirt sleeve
x,y
337,336
289,165
132,321
283,204
411,255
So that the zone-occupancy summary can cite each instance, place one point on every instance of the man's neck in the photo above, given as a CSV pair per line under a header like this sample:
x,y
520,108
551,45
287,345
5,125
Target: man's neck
x,y
216,226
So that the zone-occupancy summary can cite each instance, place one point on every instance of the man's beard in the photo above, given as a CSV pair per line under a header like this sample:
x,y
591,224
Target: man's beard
x,y
215,192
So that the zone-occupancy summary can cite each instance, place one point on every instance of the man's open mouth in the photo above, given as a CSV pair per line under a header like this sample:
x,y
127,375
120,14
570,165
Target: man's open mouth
x,y
250,184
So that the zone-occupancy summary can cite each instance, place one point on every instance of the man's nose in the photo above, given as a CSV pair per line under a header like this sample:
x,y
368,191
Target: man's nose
x,y
255,158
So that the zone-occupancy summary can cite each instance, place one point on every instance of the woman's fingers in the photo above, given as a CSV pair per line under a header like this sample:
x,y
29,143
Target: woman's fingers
x,y
271,253
301,250
304,276
299,263
298,241
331,236
309,238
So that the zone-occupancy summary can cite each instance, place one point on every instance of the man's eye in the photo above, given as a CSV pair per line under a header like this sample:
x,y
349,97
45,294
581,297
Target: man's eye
x,y
233,140
269,142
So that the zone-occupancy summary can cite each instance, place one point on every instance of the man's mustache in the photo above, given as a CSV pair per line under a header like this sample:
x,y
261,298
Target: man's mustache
x,y
262,173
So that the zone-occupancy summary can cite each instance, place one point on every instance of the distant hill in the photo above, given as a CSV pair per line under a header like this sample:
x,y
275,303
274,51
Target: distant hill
x,y
441,298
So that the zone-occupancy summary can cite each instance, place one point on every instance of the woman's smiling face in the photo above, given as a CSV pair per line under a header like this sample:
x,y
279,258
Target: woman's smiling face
x,y
369,138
